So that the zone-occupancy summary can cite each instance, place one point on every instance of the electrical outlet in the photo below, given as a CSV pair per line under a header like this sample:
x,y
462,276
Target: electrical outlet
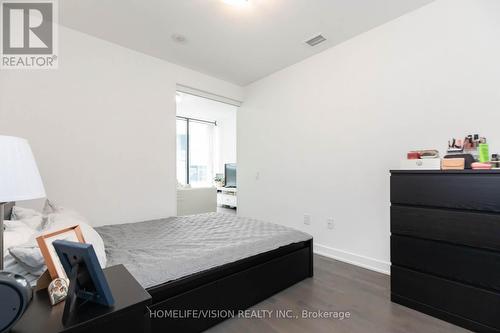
x,y
307,219
329,223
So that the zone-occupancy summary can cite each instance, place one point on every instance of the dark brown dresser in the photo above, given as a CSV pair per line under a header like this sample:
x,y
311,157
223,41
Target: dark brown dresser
x,y
445,245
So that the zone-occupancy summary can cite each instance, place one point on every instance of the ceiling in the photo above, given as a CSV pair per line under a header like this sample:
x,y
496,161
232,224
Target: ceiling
x,y
240,44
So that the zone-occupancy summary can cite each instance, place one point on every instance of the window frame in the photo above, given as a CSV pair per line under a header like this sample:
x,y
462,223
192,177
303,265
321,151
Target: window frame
x,y
188,159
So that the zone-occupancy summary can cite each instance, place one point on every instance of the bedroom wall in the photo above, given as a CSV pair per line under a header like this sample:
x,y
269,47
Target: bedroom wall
x,y
102,127
320,137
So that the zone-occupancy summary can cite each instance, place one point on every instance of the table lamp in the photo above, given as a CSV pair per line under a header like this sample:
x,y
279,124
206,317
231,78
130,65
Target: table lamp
x,y
19,177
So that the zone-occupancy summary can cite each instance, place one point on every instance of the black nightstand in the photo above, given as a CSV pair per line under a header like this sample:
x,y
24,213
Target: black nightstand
x,y
129,314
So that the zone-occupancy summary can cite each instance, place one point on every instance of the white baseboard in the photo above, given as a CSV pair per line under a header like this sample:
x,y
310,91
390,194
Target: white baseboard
x,y
354,259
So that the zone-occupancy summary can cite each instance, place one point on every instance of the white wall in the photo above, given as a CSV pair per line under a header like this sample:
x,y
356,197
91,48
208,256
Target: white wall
x,y
102,127
227,140
225,133
321,136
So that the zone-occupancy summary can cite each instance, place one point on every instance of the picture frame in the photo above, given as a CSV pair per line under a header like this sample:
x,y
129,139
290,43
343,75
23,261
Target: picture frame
x,y
54,266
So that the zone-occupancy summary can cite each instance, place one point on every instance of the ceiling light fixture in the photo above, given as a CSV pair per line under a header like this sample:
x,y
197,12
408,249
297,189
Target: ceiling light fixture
x,y
236,2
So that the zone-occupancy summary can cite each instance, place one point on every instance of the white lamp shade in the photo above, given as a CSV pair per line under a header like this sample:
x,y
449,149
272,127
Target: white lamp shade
x,y
19,176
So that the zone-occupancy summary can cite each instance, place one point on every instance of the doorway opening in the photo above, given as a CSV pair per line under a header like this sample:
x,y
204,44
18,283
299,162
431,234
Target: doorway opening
x,y
206,155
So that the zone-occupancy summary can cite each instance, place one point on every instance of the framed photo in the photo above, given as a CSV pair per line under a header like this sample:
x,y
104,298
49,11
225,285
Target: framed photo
x,y
54,266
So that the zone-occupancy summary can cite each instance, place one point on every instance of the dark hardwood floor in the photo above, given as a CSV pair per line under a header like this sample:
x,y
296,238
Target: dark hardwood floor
x,y
338,286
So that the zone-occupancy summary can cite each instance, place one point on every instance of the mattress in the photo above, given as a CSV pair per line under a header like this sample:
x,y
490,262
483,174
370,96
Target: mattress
x,y
163,250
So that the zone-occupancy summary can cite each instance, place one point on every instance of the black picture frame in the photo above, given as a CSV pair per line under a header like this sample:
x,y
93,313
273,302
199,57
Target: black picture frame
x,y
87,280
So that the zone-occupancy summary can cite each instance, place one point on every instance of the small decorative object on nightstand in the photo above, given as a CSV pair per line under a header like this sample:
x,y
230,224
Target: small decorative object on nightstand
x,y
128,314
58,290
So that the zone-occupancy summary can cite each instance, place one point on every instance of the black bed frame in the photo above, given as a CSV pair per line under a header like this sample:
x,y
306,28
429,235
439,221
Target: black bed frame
x,y
228,288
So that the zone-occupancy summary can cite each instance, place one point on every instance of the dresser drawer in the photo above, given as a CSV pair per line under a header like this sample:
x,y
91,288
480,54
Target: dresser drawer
x,y
451,190
460,263
463,304
227,199
461,227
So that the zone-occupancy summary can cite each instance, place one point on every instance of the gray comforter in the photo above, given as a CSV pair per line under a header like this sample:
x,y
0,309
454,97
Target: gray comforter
x,y
159,251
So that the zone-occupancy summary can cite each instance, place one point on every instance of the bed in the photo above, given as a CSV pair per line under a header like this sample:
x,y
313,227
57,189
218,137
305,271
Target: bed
x,y
207,262
9,262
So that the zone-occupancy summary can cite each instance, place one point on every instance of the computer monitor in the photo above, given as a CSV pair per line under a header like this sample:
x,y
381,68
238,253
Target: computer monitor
x,y
230,175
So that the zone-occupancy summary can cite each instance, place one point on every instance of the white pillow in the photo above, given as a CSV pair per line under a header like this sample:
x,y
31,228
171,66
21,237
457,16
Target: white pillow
x,y
19,213
30,217
11,265
34,222
29,257
15,234
49,207
20,235
67,218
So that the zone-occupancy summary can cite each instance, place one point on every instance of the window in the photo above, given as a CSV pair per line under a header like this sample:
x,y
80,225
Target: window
x,y
182,151
195,151
206,139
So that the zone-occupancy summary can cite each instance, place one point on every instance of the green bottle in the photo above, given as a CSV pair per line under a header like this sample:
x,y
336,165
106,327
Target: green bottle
x,y
484,153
